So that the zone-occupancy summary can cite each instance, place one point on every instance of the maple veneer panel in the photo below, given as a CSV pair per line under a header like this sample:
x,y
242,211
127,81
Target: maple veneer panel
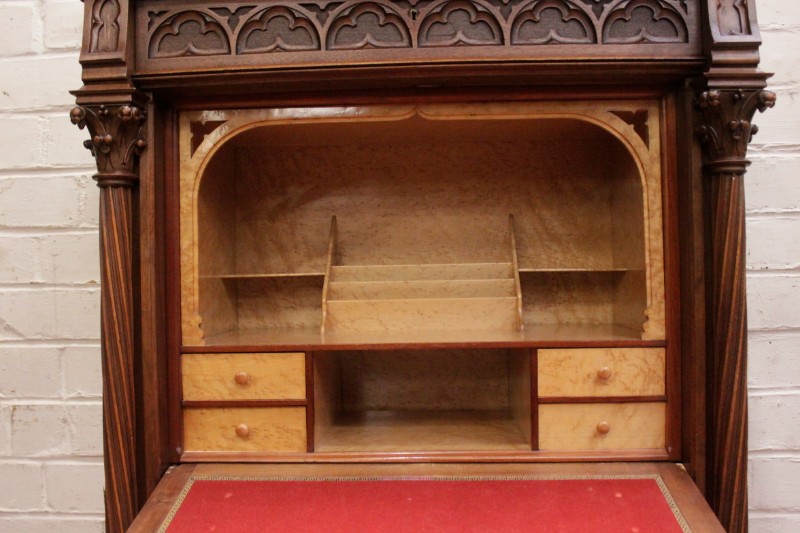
x,y
441,314
271,429
408,431
275,376
577,372
420,185
426,379
633,426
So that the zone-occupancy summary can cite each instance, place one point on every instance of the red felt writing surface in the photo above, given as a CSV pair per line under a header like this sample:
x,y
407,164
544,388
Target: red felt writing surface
x,y
591,505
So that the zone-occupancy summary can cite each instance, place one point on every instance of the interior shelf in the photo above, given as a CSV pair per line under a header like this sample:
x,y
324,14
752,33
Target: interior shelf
x,y
423,431
422,400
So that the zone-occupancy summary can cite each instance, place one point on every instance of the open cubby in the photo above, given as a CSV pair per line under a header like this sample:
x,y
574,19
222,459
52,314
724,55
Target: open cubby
x,y
367,227
422,400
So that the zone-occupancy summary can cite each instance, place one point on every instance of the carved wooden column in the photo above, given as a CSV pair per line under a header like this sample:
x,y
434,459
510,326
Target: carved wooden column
x,y
112,110
116,142
725,130
733,91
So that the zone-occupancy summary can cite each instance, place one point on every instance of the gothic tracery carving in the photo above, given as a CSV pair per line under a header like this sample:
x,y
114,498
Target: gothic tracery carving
x,y
189,33
104,35
368,25
278,29
549,21
266,27
645,21
459,22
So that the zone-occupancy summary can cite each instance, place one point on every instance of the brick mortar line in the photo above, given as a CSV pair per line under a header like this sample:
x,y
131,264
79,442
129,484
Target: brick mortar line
x,y
51,515
51,343
14,232
772,392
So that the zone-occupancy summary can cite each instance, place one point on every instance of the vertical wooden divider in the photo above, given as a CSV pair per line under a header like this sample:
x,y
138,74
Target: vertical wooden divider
x,y
328,264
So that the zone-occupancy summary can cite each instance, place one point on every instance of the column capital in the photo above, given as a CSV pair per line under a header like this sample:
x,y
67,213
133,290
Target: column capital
x,y
725,125
116,142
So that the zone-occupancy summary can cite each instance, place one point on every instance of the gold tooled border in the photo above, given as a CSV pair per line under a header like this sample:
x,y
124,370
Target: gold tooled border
x,y
676,512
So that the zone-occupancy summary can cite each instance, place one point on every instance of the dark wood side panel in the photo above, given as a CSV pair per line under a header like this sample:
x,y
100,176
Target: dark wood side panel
x,y
152,423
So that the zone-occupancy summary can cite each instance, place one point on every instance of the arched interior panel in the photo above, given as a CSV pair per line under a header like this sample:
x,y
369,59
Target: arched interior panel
x,y
419,225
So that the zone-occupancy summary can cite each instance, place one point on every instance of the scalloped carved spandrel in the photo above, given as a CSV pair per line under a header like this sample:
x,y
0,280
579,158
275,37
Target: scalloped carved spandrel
x,y
368,25
733,17
638,119
460,22
597,5
645,21
552,21
189,33
278,29
104,35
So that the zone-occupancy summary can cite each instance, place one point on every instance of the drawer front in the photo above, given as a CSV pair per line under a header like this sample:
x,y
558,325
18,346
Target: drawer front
x,y
602,426
267,429
597,372
244,376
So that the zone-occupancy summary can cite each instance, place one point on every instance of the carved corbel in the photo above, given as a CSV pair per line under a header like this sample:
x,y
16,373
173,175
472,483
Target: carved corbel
x,y
116,142
726,126
725,130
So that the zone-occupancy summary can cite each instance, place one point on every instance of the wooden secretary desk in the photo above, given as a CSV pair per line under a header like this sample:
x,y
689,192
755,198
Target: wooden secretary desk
x,y
422,231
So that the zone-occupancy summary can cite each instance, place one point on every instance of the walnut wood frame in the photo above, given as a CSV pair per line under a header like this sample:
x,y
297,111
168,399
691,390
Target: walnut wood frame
x,y
702,56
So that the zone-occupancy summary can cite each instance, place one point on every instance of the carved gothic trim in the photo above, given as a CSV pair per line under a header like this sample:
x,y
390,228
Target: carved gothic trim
x,y
116,140
640,21
535,24
733,17
368,25
190,33
279,26
105,31
278,29
460,22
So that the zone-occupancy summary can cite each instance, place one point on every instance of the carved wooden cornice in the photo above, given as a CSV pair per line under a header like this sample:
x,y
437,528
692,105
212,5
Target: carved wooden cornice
x,y
116,141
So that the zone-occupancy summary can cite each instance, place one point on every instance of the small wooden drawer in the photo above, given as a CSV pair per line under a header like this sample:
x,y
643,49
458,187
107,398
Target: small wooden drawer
x,y
598,372
244,376
602,426
260,429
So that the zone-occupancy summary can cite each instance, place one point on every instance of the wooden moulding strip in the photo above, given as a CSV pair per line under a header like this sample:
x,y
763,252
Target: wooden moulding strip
x,y
328,266
515,268
189,404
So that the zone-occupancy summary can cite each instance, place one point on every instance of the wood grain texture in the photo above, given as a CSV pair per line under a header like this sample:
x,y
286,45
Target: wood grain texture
x,y
602,372
269,429
272,376
116,141
117,342
575,426
726,128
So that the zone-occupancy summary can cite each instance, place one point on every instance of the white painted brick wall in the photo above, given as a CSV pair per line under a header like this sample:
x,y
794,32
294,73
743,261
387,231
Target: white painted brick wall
x,y
50,434
50,412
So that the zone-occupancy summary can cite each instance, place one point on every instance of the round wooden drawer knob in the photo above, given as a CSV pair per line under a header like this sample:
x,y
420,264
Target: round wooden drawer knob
x,y
604,373
242,378
242,431
603,427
